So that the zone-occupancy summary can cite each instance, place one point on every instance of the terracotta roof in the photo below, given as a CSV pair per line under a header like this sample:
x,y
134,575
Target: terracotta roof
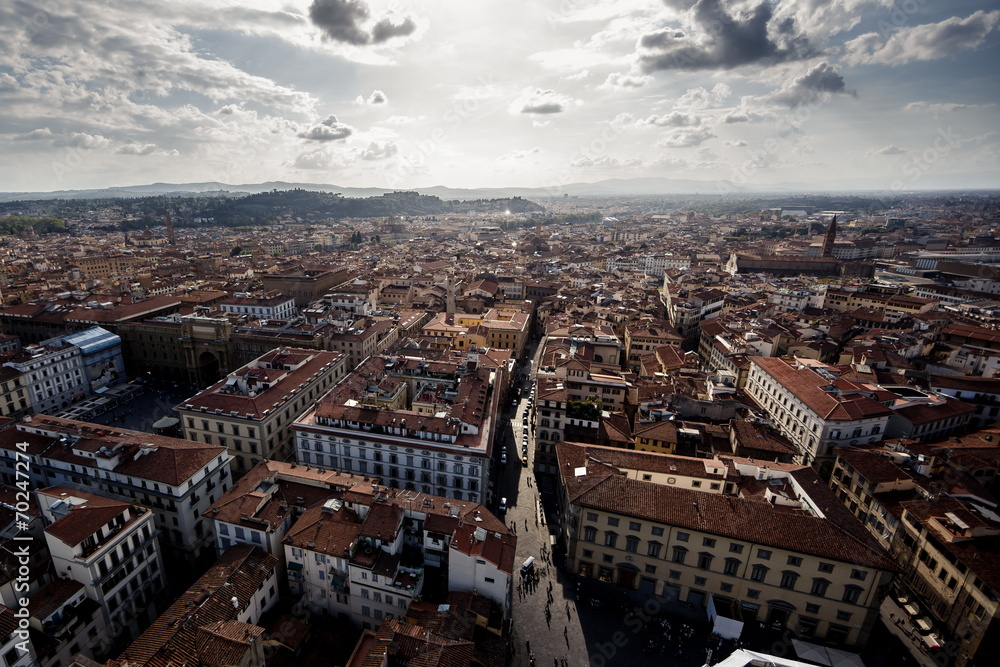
x,y
808,386
737,518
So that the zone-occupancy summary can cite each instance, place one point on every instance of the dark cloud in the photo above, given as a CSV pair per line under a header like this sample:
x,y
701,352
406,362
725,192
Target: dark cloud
x,y
725,41
386,29
822,81
329,129
542,107
341,21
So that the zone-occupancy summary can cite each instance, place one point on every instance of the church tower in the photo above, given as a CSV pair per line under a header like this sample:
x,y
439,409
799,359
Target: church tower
x,y
831,238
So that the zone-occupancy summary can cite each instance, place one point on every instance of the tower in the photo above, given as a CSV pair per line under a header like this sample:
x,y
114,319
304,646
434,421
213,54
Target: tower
x,y
170,230
831,238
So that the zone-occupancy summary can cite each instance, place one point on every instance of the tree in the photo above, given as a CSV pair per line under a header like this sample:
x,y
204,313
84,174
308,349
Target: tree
x,y
236,251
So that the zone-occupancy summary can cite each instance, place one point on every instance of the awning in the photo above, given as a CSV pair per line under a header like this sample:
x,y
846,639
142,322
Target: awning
x,y
727,628
295,567
924,624
824,655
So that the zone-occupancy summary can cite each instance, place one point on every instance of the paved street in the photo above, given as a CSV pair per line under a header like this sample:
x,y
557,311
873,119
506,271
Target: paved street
x,y
139,414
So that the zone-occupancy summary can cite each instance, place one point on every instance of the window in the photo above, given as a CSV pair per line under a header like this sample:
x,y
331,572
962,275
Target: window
x,y
788,579
732,566
763,554
852,593
826,567
753,594
612,521
758,573
726,588
634,526
654,549
632,544
844,615
795,561
812,608
608,558
658,531
675,574
591,516
589,534
704,561
610,539
708,542
700,581
680,553
650,569
860,575
735,548
683,537
819,587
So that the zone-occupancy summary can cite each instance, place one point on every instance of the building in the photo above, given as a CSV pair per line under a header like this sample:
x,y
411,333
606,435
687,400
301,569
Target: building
x,y
53,374
110,547
419,425
305,286
175,478
272,305
644,337
214,621
367,558
101,352
769,542
813,408
70,622
249,412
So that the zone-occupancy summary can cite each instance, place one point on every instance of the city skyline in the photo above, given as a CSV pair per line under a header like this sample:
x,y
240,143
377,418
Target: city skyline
x,y
500,94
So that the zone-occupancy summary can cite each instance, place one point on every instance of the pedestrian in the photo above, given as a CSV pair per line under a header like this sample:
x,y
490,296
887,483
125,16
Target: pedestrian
x,y
555,661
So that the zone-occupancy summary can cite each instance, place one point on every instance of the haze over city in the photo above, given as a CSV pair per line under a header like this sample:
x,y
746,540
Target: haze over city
x,y
409,94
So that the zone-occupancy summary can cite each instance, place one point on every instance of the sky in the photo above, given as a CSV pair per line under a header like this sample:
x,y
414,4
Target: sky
x,y
406,94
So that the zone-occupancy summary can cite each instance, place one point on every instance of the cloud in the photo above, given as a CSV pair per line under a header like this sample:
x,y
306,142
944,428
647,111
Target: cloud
x,y
605,161
685,138
578,76
329,129
673,119
823,80
941,108
519,154
136,149
82,140
342,21
377,98
538,101
929,41
724,41
736,143
376,151
34,135
887,150
702,98
385,29
618,81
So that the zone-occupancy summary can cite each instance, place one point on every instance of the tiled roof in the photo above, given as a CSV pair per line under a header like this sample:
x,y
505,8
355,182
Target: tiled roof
x,y
172,638
759,522
808,386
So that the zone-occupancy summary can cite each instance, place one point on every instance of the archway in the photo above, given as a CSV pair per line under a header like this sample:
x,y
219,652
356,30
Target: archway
x,y
208,367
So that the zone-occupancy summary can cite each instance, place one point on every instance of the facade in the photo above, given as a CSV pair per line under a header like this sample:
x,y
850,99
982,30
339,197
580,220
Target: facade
x,y
110,547
305,286
175,478
770,544
271,305
367,558
71,622
814,409
101,351
53,375
418,425
250,411
14,399
646,336
215,621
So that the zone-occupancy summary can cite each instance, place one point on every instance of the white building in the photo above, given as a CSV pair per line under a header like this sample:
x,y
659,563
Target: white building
x,y
110,547
175,478
271,305
814,408
53,374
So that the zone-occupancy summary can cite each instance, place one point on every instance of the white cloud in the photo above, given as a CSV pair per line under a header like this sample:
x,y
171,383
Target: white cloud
x,y
377,98
736,143
887,150
329,129
35,135
929,41
674,119
618,81
376,151
81,140
538,101
685,138
136,149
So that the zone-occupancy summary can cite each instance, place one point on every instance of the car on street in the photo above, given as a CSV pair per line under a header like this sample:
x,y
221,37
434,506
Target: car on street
x,y
503,456
503,504
524,460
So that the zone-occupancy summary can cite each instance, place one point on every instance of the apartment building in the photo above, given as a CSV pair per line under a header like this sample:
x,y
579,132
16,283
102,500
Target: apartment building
x,y
815,409
14,399
215,621
12,649
110,547
271,305
52,373
264,503
367,558
250,411
419,425
66,622
768,543
175,478
925,505
645,336
497,328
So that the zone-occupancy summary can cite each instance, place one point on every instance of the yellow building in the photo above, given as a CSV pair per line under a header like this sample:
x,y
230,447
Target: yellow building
x,y
748,535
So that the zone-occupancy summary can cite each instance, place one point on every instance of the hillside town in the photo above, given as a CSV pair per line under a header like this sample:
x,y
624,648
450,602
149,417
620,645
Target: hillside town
x,y
593,434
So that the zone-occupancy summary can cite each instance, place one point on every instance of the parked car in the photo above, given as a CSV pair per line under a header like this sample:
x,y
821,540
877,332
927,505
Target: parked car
x,y
503,505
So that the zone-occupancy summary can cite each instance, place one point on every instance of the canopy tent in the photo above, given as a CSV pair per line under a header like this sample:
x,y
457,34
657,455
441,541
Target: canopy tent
x,y
824,655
